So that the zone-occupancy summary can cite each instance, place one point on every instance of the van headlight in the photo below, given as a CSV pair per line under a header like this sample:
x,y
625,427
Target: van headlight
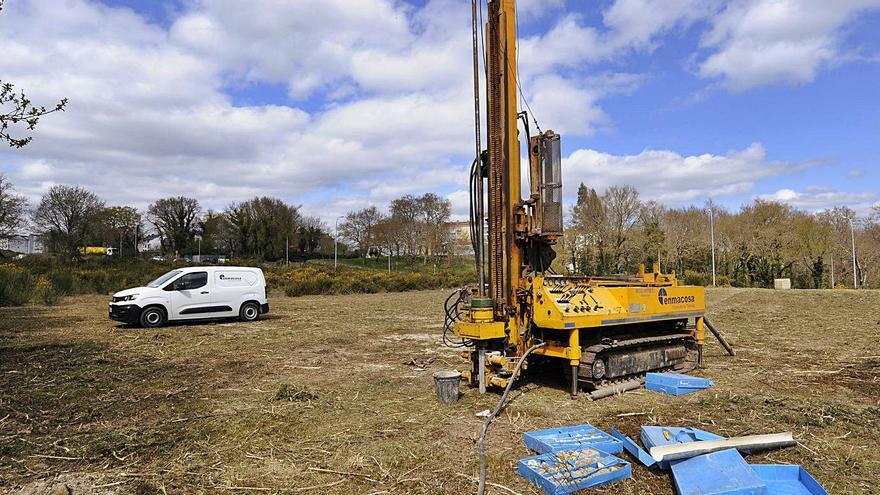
x,y
131,297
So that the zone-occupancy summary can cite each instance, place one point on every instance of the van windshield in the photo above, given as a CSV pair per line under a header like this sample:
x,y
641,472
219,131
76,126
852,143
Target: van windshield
x,y
164,278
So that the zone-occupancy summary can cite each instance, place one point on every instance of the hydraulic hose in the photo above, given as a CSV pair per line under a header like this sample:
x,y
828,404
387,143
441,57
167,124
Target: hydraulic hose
x,y
481,490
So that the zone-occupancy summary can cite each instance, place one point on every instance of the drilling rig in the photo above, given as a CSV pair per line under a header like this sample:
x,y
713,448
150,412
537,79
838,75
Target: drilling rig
x,y
600,332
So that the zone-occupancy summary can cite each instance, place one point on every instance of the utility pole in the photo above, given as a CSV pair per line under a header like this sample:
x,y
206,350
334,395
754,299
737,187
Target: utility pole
x,y
712,234
852,231
336,242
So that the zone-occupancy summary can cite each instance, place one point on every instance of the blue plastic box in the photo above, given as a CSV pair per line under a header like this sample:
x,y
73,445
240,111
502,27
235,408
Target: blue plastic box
x,y
676,383
784,479
719,473
569,471
572,437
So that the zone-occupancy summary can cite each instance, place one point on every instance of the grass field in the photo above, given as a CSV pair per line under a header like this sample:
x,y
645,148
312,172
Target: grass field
x,y
328,394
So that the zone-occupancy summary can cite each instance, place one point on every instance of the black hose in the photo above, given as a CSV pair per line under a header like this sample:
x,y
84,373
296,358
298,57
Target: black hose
x,y
453,314
501,403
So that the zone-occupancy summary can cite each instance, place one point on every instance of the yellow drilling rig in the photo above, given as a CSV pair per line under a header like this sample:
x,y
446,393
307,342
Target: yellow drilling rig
x,y
603,333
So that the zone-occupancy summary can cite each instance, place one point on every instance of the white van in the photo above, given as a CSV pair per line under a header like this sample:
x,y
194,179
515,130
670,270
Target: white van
x,y
194,293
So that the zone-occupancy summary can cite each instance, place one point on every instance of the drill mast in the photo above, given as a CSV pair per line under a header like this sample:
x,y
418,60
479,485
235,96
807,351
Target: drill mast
x,y
600,330
504,157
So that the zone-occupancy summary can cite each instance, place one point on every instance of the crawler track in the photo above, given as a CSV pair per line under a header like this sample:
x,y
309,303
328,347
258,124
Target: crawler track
x,y
612,362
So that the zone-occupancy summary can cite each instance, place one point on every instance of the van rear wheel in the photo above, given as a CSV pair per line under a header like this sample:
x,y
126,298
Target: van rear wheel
x,y
152,317
250,311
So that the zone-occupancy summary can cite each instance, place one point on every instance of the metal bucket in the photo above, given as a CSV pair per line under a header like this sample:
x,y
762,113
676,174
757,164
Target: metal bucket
x,y
446,383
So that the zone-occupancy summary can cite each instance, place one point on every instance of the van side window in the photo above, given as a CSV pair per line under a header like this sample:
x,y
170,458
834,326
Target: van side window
x,y
191,281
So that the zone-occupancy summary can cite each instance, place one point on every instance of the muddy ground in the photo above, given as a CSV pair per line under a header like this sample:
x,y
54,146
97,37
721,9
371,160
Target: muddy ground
x,y
329,394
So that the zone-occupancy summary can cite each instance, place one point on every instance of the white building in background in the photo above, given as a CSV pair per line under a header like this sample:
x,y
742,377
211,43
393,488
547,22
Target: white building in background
x,y
23,244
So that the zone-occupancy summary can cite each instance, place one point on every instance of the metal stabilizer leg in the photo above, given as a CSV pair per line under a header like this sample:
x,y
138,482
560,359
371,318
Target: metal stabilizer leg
x,y
481,372
574,382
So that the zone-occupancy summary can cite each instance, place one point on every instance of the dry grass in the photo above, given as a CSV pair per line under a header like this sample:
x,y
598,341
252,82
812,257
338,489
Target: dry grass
x,y
321,397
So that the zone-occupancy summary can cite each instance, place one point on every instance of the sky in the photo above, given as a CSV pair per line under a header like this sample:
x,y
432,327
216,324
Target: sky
x,y
340,104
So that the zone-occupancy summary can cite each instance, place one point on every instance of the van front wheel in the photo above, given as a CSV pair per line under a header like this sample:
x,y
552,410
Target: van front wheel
x,y
152,317
249,311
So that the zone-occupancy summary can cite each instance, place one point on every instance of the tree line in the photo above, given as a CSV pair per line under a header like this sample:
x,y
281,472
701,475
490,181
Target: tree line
x,y
413,227
69,218
607,233
764,240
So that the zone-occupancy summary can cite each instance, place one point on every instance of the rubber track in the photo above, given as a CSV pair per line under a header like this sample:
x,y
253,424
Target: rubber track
x,y
588,355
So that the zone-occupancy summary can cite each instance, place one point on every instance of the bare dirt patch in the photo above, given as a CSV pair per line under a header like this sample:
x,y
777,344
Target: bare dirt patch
x,y
195,408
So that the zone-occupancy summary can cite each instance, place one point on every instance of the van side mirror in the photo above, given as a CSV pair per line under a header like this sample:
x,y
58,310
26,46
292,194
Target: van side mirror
x,y
176,285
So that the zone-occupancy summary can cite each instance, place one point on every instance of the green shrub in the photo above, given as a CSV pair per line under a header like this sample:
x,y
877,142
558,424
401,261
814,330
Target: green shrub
x,y
692,277
16,285
306,281
64,281
47,293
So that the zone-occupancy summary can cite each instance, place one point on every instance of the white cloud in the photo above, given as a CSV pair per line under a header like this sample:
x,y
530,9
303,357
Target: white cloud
x,y
669,177
635,23
567,44
566,104
307,44
822,198
759,42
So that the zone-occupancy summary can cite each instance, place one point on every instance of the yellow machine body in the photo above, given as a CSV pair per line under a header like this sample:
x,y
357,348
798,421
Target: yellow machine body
x,y
569,313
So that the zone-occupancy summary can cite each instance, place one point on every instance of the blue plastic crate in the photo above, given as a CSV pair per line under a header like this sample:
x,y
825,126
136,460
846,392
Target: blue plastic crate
x,y
569,471
719,473
676,383
652,436
572,437
787,479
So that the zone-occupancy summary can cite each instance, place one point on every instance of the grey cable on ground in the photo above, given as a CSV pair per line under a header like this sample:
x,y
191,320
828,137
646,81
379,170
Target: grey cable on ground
x,y
501,403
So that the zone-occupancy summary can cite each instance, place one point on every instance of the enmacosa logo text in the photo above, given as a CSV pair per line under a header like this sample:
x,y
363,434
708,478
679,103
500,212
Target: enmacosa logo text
x,y
664,299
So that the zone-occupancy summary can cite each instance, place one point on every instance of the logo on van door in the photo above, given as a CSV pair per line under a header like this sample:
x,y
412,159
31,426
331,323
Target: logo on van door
x,y
224,277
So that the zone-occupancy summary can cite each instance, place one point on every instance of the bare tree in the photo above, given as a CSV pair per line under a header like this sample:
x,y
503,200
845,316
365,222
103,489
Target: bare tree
x,y
622,207
407,215
12,209
358,228
435,216
66,215
175,220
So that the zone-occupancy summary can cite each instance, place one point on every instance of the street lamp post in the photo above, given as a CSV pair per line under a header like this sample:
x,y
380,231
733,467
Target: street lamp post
x,y
712,234
336,242
852,231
